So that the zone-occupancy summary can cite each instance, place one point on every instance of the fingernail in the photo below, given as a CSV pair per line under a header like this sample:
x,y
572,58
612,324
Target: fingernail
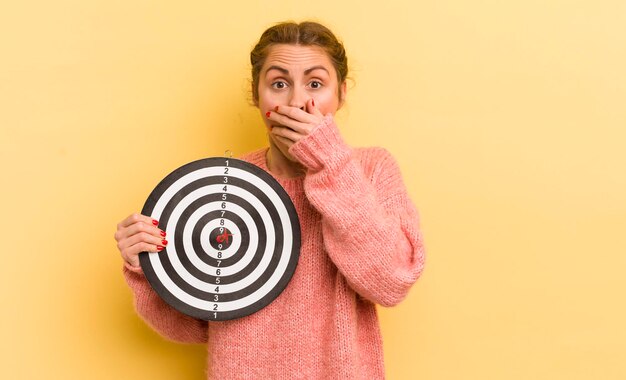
x,y
155,222
276,108
164,242
267,114
163,233
313,102
160,248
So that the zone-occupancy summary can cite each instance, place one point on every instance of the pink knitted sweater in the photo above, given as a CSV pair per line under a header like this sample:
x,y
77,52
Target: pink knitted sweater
x,y
361,246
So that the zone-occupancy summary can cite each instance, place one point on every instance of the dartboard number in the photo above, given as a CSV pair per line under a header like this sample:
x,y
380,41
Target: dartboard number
x,y
219,253
225,180
218,272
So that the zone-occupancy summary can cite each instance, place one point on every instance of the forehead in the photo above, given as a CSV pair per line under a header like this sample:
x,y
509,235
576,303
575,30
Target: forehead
x,y
297,57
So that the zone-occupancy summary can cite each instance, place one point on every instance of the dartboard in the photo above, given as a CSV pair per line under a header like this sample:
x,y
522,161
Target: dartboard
x,y
234,239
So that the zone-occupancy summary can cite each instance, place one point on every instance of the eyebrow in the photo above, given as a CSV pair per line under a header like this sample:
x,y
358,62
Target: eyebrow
x,y
286,72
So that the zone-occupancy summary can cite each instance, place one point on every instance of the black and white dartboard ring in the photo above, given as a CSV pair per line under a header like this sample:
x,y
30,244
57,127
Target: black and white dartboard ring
x,y
234,239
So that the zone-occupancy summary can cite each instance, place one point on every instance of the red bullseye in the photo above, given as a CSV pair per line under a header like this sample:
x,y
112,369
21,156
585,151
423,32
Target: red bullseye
x,y
223,238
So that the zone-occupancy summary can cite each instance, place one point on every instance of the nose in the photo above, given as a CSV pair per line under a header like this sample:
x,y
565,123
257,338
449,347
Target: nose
x,y
298,98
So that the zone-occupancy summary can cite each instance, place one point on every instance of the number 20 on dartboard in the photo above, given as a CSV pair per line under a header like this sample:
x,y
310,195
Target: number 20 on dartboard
x,y
220,239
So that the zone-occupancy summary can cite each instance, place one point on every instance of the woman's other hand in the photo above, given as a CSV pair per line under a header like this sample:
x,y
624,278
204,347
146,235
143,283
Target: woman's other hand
x,y
138,233
291,124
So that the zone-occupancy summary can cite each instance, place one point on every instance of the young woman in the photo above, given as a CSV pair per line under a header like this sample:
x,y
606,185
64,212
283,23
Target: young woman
x,y
361,243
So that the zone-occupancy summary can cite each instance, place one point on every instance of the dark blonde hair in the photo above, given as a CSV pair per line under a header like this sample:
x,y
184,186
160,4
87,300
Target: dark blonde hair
x,y
307,33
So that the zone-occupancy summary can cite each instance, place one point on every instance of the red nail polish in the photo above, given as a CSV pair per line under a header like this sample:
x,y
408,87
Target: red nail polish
x,y
155,222
313,102
163,233
164,242
160,248
267,114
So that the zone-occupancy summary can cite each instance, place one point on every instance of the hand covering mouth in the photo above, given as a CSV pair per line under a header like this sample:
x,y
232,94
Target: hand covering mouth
x,y
280,125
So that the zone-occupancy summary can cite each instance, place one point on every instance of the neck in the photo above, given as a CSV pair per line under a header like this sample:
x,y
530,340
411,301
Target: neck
x,y
280,165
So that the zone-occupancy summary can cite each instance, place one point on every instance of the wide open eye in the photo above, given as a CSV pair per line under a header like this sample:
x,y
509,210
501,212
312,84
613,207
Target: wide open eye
x,y
315,84
279,85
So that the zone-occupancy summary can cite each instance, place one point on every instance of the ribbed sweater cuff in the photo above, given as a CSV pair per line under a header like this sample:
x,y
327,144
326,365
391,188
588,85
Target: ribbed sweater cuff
x,y
323,148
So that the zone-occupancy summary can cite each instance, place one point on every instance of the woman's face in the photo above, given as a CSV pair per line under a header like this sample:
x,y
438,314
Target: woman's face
x,y
294,74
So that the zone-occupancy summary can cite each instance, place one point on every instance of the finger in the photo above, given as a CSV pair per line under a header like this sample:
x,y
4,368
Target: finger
x,y
135,218
123,235
139,238
310,107
139,227
295,113
282,120
285,141
281,140
287,133
131,254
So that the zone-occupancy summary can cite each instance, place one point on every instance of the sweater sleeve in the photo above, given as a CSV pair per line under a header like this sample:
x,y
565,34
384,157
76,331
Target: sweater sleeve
x,y
370,226
163,318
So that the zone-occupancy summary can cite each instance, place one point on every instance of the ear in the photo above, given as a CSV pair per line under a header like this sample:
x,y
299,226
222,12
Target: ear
x,y
343,91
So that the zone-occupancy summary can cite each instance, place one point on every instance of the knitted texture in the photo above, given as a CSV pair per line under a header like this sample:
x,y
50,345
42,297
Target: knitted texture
x,y
361,246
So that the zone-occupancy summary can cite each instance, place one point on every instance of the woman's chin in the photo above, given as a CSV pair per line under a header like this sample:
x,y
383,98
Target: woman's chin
x,y
285,151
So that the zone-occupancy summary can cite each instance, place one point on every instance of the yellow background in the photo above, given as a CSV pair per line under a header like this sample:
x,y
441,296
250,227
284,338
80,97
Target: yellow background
x,y
507,118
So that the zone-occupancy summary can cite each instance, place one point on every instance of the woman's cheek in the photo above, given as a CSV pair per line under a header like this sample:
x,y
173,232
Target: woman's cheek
x,y
327,102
